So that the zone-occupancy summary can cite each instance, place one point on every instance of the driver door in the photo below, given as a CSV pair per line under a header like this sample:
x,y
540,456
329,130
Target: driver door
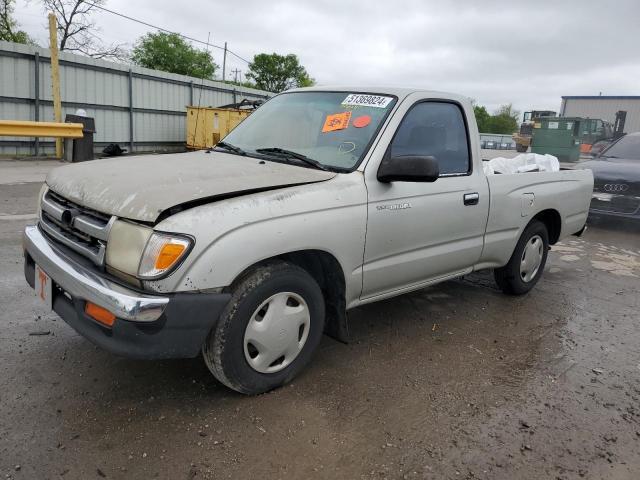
x,y
419,232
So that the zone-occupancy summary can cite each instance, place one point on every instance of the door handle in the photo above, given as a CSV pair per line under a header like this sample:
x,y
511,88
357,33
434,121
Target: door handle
x,y
471,198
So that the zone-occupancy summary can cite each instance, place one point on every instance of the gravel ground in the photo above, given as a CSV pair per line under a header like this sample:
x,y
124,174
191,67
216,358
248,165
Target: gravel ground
x,y
453,381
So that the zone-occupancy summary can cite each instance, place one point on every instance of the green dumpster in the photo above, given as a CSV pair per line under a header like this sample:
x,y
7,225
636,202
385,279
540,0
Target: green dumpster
x,y
558,136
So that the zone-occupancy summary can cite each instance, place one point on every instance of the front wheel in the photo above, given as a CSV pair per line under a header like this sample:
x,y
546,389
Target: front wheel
x,y
527,262
268,331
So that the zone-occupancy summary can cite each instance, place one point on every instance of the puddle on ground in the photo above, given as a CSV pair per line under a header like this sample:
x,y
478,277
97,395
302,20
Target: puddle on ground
x,y
560,248
609,258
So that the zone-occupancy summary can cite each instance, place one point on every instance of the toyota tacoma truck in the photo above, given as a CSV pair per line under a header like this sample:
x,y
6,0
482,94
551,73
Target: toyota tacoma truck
x,y
322,200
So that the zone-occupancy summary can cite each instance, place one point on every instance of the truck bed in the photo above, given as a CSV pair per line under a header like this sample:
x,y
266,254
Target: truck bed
x,y
515,197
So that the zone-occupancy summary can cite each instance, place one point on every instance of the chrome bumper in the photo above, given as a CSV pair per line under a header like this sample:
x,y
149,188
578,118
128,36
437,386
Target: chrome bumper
x,y
81,283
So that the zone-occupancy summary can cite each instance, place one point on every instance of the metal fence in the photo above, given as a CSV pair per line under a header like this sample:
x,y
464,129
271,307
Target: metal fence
x,y
138,108
496,141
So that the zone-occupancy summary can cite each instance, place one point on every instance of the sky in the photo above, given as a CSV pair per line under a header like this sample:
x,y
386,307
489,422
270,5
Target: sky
x,y
528,53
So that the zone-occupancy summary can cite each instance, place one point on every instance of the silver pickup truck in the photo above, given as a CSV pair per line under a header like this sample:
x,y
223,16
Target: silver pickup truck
x,y
322,200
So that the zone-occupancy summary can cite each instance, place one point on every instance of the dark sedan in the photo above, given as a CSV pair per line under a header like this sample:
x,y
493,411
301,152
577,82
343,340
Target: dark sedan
x,y
616,173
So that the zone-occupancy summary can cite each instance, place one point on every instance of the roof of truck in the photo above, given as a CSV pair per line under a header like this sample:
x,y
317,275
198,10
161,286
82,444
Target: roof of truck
x,y
399,92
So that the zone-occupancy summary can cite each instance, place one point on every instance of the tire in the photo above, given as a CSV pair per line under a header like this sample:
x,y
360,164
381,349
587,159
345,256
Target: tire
x,y
229,348
516,278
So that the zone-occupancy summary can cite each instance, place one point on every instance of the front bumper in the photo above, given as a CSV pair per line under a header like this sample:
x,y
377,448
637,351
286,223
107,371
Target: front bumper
x,y
146,326
604,214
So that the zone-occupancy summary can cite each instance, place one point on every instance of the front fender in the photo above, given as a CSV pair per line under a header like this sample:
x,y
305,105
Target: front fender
x,y
233,234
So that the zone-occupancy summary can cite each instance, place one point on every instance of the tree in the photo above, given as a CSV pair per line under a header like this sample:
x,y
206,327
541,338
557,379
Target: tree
x,y
277,73
504,120
9,27
482,118
169,52
77,30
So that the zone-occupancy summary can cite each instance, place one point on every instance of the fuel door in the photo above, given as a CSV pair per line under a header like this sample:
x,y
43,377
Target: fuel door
x,y
527,204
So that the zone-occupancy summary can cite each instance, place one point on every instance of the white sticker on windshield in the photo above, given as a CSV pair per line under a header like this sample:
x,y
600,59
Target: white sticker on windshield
x,y
362,100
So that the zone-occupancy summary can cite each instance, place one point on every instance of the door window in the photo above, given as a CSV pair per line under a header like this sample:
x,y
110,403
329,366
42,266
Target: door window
x,y
435,129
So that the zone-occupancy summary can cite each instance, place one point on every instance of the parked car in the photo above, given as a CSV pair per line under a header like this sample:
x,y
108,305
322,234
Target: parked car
x,y
322,200
616,172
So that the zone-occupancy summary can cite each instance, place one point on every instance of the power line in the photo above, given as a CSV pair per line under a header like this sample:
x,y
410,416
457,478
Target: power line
x,y
207,44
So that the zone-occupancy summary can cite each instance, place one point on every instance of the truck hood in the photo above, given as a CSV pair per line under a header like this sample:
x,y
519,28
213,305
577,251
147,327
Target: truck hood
x,y
142,187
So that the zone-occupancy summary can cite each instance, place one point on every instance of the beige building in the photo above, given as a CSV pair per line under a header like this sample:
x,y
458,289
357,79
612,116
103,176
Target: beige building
x,y
604,107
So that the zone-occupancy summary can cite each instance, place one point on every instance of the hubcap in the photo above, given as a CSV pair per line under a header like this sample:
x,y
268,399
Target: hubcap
x,y
277,332
531,258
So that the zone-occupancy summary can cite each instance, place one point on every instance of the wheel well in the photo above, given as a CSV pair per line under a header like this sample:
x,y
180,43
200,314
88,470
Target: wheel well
x,y
553,222
326,270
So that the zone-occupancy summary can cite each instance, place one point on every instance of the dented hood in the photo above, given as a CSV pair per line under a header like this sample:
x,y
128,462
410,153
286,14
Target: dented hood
x,y
142,187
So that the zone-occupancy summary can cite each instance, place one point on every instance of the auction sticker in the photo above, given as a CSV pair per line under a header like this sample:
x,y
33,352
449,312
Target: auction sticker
x,y
336,121
363,100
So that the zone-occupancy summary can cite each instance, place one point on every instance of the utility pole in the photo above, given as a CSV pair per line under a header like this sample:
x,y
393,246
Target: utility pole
x,y
224,63
235,74
55,78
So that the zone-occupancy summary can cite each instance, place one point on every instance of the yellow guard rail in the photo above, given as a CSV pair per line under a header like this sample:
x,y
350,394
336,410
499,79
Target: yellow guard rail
x,y
18,128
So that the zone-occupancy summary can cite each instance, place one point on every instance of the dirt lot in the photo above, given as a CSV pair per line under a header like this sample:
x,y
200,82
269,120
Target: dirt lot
x,y
454,381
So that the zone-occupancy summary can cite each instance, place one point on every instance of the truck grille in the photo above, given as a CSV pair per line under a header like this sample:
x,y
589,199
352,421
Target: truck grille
x,y
83,230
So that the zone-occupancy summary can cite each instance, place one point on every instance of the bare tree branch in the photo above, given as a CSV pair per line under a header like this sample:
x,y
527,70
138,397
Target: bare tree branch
x,y
77,30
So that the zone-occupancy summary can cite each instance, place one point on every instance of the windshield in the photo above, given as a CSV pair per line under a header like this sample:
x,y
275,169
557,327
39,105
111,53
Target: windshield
x,y
628,147
332,128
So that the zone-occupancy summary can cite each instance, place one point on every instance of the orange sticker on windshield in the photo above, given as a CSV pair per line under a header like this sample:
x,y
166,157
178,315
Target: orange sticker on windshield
x,y
336,121
362,121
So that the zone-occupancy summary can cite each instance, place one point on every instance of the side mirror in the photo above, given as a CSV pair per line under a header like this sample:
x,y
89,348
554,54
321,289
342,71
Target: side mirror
x,y
408,168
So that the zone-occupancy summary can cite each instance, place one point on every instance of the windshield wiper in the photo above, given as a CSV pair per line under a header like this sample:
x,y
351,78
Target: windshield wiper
x,y
231,148
291,154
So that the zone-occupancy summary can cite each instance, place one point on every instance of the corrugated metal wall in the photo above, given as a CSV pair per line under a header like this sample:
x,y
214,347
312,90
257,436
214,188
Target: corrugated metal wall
x,y
117,96
604,108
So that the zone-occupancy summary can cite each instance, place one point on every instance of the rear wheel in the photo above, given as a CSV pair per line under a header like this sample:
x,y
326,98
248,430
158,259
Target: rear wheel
x,y
527,262
268,331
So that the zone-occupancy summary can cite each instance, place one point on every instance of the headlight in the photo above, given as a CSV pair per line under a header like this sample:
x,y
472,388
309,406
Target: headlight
x,y
125,246
162,254
138,251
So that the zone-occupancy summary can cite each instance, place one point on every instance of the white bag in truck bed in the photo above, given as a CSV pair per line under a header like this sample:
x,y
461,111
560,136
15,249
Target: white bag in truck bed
x,y
525,162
